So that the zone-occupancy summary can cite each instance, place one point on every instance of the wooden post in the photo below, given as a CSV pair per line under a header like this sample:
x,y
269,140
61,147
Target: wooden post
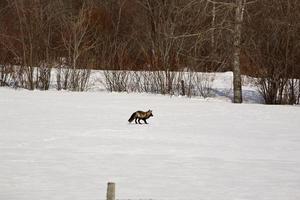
x,y
182,88
111,189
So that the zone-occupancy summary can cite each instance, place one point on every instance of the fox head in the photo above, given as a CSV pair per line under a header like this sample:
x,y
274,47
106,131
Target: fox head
x,y
149,112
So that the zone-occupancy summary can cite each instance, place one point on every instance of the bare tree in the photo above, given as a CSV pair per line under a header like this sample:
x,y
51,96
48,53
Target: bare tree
x,y
171,28
78,38
273,47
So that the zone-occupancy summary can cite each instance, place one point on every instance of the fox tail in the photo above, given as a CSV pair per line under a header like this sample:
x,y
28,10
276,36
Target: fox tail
x,y
132,117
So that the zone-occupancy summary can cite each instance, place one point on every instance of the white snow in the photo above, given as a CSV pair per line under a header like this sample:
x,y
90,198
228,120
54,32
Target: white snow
x,y
68,145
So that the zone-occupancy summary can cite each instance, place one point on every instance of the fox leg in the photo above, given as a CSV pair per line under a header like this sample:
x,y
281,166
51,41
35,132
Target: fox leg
x,y
139,121
135,120
145,121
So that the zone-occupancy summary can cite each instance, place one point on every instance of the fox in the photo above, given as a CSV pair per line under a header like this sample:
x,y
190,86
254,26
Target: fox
x,y
140,115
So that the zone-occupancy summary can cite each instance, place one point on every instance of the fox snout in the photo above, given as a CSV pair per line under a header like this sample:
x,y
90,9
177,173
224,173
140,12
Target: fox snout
x,y
150,111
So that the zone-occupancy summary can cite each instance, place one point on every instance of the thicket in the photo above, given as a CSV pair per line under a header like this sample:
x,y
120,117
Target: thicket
x,y
156,37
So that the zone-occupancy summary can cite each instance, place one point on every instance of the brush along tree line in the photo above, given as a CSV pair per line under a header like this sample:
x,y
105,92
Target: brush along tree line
x,y
260,38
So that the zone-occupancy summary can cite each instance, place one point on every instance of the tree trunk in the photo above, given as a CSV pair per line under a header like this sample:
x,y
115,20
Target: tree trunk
x,y
213,25
237,81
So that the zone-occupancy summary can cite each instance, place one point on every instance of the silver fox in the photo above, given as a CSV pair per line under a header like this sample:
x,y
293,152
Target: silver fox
x,y
140,115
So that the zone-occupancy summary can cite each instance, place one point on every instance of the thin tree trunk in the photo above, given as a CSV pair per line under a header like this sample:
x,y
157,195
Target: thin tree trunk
x,y
237,81
213,25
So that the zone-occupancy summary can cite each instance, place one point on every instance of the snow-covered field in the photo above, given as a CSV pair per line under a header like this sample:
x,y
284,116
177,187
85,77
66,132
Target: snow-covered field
x,y
67,146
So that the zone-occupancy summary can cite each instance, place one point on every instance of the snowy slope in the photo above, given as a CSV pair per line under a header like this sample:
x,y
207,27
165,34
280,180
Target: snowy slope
x,y
220,83
67,146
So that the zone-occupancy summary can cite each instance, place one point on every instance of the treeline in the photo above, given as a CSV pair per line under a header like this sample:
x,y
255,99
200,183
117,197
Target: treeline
x,y
74,36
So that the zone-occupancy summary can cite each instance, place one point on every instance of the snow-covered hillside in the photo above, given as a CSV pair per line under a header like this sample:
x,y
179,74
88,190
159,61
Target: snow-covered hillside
x,y
220,84
68,145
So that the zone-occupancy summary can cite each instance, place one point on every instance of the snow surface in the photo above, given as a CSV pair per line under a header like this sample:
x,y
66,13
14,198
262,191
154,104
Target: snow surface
x,y
68,145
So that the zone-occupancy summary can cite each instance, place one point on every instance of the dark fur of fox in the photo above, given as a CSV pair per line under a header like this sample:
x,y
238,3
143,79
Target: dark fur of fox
x,y
140,115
